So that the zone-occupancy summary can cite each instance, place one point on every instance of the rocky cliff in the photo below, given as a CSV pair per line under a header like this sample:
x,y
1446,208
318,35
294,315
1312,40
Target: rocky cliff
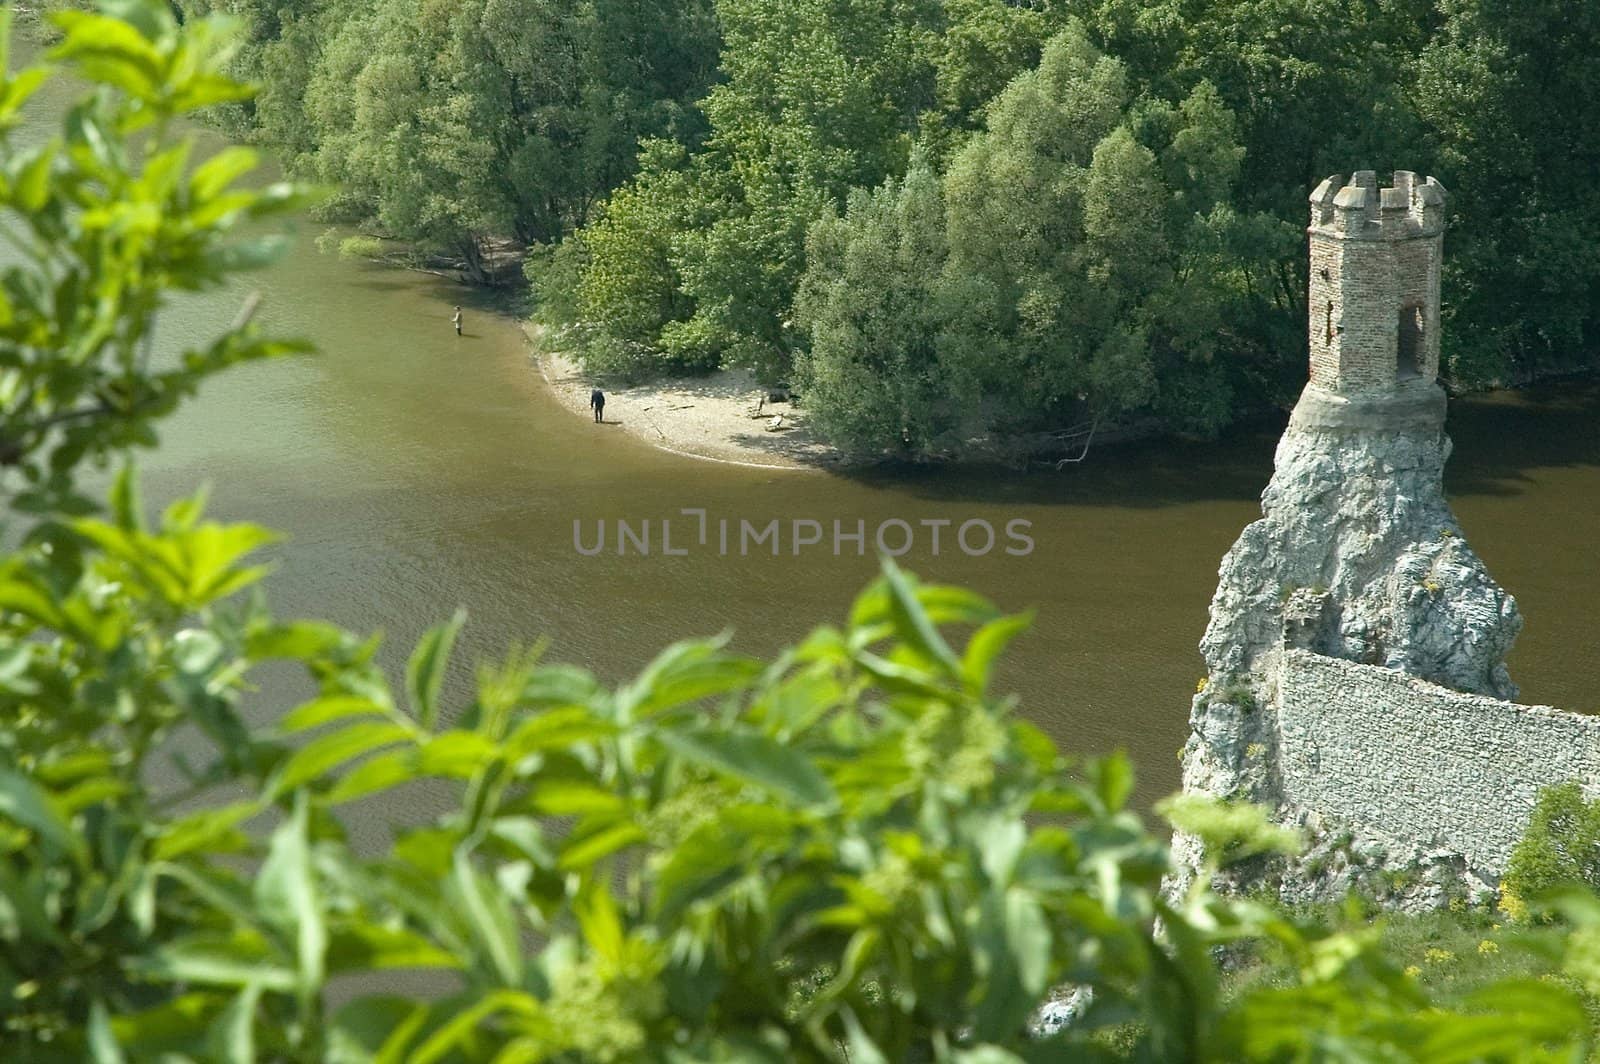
x,y
1356,556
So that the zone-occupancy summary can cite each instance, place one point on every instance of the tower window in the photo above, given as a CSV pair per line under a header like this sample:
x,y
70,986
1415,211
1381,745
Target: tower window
x,y
1408,356
1329,337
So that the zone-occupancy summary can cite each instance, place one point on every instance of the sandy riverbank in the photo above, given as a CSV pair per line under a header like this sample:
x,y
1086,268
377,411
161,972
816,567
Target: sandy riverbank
x,y
700,417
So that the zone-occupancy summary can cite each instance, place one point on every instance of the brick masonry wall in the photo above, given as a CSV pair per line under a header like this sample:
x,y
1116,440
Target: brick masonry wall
x,y
1419,287
1422,763
1324,312
1367,267
1366,308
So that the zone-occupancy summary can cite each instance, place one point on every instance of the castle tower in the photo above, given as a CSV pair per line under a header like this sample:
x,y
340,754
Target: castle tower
x,y
1374,294
1357,563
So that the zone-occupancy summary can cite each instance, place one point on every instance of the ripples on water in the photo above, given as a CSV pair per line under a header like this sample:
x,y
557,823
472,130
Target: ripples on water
x,y
415,470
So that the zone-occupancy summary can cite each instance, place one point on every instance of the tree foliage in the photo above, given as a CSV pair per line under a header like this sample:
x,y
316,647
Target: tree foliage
x,y
1487,96
1560,848
819,96
693,145
1072,270
877,301
451,125
1504,91
105,221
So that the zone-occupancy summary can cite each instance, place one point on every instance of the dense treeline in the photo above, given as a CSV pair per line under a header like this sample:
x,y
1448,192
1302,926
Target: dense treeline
x,y
451,125
954,220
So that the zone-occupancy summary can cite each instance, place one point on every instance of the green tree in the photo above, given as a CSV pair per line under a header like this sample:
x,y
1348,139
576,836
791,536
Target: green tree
x,y
1077,266
984,44
875,306
1093,217
1560,848
628,287
1505,90
1314,90
452,126
820,96
1075,275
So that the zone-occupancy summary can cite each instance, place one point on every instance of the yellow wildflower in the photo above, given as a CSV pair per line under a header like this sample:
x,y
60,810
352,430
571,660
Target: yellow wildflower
x,y
1512,905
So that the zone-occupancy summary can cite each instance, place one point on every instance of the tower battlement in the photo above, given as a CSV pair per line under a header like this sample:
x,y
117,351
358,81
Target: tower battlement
x,y
1361,210
1373,303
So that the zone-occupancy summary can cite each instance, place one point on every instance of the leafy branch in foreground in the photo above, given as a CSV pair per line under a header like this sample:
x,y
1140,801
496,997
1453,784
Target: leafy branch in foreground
x,y
855,851
103,223
851,851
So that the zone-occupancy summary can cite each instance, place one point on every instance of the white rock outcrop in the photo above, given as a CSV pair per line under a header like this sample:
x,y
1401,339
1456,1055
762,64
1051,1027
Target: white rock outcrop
x,y
1357,556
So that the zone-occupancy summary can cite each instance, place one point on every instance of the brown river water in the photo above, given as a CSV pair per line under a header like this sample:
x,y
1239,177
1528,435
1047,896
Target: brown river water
x,y
414,471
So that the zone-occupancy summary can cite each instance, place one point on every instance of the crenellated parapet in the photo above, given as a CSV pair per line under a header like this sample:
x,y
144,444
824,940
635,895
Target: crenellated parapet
x,y
1406,210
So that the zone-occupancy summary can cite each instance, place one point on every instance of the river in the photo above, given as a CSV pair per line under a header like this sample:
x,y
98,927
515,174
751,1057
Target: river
x,y
415,471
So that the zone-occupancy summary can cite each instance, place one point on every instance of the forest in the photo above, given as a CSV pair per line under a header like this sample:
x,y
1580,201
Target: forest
x,y
944,221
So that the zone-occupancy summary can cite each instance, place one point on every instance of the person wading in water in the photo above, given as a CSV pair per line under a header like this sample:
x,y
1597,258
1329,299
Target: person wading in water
x,y
597,400
456,321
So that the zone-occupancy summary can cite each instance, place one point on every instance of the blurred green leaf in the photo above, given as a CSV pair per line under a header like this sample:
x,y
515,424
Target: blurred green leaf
x,y
217,961
986,646
585,851
425,671
287,896
232,1036
755,759
202,829
912,622
103,1046
327,752
489,914
329,709
377,773
211,177
25,804
1230,830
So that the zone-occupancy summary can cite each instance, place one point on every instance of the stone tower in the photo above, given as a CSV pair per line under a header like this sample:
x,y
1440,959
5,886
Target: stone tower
x,y
1374,296
1357,555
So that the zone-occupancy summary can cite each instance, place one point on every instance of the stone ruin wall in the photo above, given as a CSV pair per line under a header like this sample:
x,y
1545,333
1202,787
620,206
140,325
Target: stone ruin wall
x,y
1418,763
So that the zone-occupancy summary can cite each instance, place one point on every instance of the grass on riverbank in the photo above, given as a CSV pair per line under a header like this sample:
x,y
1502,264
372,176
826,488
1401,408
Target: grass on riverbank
x,y
1452,954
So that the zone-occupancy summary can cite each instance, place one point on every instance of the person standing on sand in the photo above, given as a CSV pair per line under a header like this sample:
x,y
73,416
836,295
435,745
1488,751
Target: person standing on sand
x,y
456,321
597,400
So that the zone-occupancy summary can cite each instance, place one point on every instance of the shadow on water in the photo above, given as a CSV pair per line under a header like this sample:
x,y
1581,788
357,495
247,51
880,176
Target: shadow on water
x,y
378,284
1141,475
1500,440
1502,437
373,275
